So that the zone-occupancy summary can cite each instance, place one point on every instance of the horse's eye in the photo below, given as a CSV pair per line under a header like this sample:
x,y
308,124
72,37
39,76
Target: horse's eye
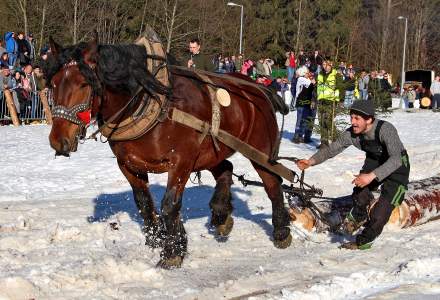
x,y
83,85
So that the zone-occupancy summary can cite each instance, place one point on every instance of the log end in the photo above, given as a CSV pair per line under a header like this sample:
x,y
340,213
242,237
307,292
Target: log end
x,y
304,218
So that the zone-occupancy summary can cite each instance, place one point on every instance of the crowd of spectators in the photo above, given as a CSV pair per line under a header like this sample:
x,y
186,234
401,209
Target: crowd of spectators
x,y
358,84
21,74
299,85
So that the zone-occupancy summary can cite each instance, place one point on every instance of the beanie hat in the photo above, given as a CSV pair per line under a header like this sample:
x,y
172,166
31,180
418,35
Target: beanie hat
x,y
363,107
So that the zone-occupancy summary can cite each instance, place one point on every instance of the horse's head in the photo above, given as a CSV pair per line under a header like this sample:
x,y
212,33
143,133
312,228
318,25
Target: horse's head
x,y
70,73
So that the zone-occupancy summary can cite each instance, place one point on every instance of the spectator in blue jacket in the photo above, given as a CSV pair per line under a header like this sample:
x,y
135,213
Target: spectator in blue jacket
x,y
11,48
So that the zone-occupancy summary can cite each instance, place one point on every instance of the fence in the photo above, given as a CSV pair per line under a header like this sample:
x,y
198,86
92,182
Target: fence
x,y
37,107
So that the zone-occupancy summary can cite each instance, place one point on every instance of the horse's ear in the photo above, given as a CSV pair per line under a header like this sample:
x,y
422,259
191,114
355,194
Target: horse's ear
x,y
90,54
55,48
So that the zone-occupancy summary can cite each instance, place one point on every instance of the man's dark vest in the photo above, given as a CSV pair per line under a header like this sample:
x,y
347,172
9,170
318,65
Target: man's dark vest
x,y
377,155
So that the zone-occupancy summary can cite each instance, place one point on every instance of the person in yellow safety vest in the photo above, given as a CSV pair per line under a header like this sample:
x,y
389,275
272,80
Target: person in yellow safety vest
x,y
328,87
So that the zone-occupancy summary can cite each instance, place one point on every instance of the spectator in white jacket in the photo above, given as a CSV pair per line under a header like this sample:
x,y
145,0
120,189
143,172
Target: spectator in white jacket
x,y
435,92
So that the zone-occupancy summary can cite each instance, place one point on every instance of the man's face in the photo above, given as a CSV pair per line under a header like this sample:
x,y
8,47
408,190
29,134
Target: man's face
x,y
437,78
194,48
359,124
20,36
28,69
6,72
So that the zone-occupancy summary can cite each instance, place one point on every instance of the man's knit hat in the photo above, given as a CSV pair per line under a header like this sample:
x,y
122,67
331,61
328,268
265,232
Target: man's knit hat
x,y
363,107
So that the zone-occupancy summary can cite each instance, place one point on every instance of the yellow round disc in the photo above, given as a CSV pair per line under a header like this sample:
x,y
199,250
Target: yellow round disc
x,y
426,102
223,97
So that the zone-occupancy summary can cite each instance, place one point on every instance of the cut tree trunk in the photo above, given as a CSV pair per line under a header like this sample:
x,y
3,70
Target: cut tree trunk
x,y
421,204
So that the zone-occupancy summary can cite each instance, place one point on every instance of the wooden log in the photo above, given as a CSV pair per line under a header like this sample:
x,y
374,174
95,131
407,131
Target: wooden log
x,y
46,107
304,217
421,205
11,108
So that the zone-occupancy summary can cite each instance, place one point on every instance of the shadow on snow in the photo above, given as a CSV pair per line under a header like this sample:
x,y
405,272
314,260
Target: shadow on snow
x,y
195,206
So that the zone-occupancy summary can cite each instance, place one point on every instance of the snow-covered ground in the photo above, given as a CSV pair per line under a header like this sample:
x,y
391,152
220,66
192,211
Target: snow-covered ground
x,y
70,230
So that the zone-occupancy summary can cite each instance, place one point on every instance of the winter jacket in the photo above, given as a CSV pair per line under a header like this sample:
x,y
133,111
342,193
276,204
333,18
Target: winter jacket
x,y
304,92
5,81
363,82
315,62
201,62
260,68
23,46
290,60
11,43
435,88
329,86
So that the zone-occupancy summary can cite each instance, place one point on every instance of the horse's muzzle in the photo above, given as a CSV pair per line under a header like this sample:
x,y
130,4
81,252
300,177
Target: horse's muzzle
x,y
65,148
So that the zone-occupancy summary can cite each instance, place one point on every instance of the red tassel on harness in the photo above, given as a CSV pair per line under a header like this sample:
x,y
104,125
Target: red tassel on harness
x,y
85,116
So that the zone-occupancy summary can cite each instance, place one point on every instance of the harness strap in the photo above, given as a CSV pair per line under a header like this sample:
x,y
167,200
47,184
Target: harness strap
x,y
234,143
216,116
377,132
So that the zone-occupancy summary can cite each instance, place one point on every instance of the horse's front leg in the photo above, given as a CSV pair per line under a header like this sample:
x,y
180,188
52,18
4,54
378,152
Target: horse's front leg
x,y
175,243
152,228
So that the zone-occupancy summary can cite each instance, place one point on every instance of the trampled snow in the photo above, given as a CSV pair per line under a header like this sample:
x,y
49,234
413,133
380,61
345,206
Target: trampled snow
x,y
69,229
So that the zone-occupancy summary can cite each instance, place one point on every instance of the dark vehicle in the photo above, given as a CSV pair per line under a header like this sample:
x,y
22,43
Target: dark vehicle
x,y
423,77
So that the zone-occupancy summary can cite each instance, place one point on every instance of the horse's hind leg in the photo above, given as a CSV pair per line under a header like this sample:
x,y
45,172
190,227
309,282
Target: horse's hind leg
x,y
145,204
280,217
220,204
175,244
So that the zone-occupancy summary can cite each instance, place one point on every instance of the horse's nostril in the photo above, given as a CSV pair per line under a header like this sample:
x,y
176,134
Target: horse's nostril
x,y
65,146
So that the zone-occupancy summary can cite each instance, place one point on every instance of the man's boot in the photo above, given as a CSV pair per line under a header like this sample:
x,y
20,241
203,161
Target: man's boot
x,y
355,246
350,225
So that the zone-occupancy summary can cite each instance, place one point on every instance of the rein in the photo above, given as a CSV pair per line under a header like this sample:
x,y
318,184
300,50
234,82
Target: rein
x,y
115,116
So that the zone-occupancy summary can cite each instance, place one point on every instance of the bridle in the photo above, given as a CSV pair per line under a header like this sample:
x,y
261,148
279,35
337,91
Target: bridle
x,y
79,114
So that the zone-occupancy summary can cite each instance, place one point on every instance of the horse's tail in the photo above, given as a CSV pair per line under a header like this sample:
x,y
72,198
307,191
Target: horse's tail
x,y
277,102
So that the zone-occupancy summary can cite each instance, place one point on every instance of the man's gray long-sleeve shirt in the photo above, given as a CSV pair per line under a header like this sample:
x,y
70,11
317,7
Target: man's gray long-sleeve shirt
x,y
388,136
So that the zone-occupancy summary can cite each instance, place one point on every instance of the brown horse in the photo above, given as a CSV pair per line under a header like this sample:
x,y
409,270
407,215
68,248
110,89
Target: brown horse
x,y
105,77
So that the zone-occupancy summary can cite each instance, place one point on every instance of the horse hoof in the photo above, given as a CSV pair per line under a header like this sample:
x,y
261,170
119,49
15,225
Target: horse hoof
x,y
170,263
283,244
153,242
225,229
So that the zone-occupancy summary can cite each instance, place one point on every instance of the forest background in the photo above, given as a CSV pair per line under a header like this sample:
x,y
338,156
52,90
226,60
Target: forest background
x,y
366,33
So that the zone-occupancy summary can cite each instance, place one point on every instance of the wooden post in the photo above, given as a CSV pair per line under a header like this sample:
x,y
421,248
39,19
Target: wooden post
x,y
46,107
11,108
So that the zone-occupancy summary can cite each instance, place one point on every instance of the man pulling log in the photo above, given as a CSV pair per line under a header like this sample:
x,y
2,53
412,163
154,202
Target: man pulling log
x,y
386,165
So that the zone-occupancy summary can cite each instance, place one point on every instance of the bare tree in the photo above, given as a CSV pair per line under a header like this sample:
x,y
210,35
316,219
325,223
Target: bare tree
x,y
42,27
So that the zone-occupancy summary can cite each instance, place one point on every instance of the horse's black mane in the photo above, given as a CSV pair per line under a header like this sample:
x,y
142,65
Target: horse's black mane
x,y
119,67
